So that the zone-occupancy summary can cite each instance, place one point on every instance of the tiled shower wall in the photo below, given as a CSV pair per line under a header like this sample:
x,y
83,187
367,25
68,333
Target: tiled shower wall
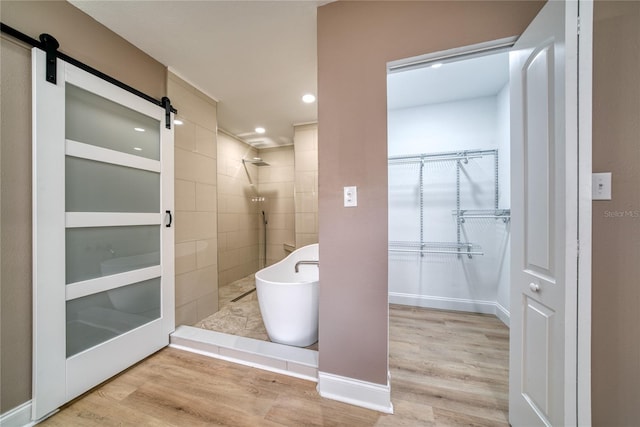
x,y
196,249
276,185
237,212
306,184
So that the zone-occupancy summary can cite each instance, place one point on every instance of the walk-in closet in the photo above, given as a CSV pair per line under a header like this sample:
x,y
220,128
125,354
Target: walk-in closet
x,y
448,169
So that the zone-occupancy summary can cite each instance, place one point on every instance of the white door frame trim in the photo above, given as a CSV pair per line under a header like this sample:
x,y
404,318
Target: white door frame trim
x,y
585,167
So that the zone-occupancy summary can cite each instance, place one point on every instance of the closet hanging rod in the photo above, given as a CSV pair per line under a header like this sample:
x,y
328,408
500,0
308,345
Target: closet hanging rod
x,y
485,216
482,216
50,45
432,251
452,155
430,159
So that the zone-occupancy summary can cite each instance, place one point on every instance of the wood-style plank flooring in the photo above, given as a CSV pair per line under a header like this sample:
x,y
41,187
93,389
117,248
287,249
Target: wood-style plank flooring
x,y
447,369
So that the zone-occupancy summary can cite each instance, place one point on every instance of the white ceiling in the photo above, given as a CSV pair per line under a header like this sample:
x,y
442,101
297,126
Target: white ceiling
x,y
462,79
257,58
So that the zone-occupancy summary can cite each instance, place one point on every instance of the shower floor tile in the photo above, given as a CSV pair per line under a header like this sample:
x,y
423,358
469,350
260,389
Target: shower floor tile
x,y
242,317
226,293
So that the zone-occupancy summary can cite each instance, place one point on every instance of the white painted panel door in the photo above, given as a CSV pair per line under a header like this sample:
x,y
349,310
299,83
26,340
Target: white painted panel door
x,y
103,275
544,107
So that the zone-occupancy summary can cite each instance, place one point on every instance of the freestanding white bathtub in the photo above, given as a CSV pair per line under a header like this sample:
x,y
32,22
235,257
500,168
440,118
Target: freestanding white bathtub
x,y
289,300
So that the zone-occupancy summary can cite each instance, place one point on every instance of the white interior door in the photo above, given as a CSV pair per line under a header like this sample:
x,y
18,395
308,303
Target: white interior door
x,y
544,67
102,237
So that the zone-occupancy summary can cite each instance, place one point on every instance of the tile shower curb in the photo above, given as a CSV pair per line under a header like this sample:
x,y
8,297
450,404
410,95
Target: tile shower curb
x,y
293,361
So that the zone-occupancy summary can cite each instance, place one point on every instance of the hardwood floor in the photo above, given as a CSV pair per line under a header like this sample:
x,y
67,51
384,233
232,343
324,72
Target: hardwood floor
x,y
454,366
447,369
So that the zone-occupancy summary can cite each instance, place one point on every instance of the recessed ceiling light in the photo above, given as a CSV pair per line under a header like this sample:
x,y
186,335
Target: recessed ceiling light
x,y
178,122
260,130
137,148
138,129
437,65
308,98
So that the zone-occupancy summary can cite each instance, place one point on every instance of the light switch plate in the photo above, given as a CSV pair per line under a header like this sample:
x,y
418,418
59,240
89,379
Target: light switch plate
x,y
601,186
350,196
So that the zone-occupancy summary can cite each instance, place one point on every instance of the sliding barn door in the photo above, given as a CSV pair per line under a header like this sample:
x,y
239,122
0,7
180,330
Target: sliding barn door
x,y
103,240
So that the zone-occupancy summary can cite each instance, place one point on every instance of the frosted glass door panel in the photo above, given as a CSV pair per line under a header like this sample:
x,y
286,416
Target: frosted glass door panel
x,y
103,251
92,186
96,318
97,121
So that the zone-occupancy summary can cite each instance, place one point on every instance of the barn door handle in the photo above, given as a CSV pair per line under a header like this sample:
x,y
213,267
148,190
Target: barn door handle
x,y
534,287
170,219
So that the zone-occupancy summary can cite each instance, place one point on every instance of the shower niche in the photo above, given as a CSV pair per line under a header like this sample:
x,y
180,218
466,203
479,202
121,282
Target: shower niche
x,y
448,174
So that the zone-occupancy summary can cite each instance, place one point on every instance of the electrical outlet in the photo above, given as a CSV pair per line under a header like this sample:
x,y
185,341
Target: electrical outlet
x,y
350,197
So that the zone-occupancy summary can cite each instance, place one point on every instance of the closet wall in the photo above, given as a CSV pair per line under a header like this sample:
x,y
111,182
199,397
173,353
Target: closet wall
x,y
441,280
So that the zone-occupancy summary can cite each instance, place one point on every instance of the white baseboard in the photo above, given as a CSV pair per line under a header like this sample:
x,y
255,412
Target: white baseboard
x,y
19,416
355,392
456,304
503,314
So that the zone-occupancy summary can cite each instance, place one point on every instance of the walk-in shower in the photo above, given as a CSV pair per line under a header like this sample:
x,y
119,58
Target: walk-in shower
x,y
257,161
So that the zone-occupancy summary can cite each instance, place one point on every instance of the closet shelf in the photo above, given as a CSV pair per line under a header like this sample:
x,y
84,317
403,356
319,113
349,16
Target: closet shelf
x,y
460,159
450,248
464,214
463,155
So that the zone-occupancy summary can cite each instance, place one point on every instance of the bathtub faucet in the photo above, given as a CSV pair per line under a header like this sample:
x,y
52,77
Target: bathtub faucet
x,y
299,263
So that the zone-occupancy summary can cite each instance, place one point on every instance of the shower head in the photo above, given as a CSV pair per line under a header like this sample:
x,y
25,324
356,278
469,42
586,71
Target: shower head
x,y
256,161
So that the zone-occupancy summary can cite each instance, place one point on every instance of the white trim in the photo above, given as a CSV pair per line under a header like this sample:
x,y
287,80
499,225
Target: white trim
x,y
355,392
48,119
102,284
456,304
167,233
99,363
304,124
454,54
282,359
503,314
104,89
243,362
585,164
443,303
110,219
105,155
20,416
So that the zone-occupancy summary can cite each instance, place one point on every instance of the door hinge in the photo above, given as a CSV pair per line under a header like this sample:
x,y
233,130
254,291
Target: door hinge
x,y
578,248
578,25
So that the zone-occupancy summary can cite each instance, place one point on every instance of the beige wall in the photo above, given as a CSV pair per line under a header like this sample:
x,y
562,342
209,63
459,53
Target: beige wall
x,y
305,139
616,240
83,38
355,41
15,227
242,199
275,184
196,250
237,213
